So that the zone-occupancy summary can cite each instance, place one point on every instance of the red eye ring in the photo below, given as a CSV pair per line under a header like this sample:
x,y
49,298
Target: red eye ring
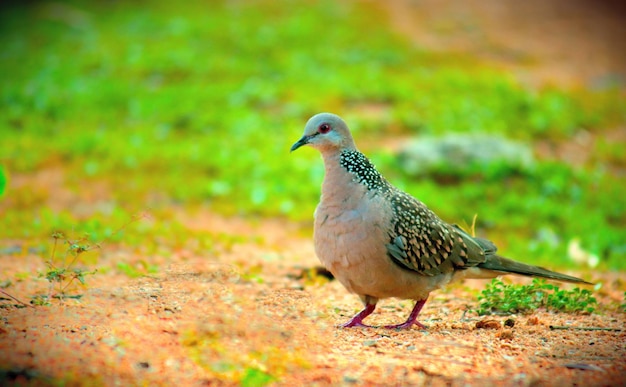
x,y
324,128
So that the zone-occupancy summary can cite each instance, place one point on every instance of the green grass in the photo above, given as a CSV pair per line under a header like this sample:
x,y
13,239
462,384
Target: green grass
x,y
166,105
501,298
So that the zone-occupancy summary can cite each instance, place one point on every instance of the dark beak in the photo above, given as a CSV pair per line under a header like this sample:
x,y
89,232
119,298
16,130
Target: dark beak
x,y
303,141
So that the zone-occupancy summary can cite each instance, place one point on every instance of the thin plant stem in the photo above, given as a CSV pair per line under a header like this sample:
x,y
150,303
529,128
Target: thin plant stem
x,y
16,299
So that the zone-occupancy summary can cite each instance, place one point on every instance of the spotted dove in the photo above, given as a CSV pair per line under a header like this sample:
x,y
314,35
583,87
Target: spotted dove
x,y
381,242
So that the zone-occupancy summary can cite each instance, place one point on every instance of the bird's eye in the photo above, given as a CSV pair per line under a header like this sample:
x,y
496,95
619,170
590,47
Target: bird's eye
x,y
323,128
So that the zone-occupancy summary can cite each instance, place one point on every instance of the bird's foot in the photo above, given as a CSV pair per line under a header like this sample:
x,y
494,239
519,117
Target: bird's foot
x,y
412,320
353,324
357,320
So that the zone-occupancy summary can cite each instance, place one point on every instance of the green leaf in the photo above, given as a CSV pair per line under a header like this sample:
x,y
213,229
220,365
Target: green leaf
x,y
3,180
254,377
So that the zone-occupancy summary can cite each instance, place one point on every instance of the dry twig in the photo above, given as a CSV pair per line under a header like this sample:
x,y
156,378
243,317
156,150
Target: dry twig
x,y
563,327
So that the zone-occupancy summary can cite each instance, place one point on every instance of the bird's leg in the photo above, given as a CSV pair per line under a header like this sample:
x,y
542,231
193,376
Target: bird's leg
x,y
412,320
357,320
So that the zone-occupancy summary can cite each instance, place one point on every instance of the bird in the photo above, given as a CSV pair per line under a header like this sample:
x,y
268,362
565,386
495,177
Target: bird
x,y
380,242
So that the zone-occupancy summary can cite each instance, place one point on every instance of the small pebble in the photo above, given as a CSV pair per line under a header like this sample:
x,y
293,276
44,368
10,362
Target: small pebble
x,y
488,324
506,334
370,343
533,320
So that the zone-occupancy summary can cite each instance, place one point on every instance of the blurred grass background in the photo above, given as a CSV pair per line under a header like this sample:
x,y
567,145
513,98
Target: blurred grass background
x,y
110,107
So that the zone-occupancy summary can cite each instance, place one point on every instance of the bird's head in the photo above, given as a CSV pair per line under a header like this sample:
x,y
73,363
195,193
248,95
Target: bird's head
x,y
327,133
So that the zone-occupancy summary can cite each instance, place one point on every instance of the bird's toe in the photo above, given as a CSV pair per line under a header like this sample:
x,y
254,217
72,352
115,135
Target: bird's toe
x,y
406,325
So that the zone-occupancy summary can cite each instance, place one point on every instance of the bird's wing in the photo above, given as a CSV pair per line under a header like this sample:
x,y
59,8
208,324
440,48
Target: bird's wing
x,y
422,242
487,245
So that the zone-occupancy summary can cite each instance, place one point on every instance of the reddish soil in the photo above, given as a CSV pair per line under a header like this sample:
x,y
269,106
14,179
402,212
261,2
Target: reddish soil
x,y
564,42
214,317
244,304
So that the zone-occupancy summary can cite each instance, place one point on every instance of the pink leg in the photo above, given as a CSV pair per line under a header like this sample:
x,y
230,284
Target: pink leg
x,y
357,320
412,320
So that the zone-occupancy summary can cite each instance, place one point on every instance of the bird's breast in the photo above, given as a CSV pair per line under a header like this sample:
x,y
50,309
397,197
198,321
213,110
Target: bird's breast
x,y
345,228
351,242
352,228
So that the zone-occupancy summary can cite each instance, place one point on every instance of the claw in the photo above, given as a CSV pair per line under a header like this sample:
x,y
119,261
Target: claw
x,y
352,324
406,325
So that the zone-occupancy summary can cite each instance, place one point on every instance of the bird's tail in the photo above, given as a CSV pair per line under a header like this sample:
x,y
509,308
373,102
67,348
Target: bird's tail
x,y
500,264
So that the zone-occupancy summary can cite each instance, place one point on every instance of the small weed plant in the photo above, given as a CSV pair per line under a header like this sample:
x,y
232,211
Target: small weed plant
x,y
62,270
62,273
500,298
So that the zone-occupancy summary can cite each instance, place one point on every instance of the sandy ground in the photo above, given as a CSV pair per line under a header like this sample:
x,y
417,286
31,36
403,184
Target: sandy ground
x,y
246,305
247,308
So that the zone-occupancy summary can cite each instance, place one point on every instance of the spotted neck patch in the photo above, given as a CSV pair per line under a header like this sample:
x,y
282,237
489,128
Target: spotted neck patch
x,y
363,170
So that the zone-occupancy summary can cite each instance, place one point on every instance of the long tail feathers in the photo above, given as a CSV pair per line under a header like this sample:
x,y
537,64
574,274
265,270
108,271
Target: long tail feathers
x,y
497,263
